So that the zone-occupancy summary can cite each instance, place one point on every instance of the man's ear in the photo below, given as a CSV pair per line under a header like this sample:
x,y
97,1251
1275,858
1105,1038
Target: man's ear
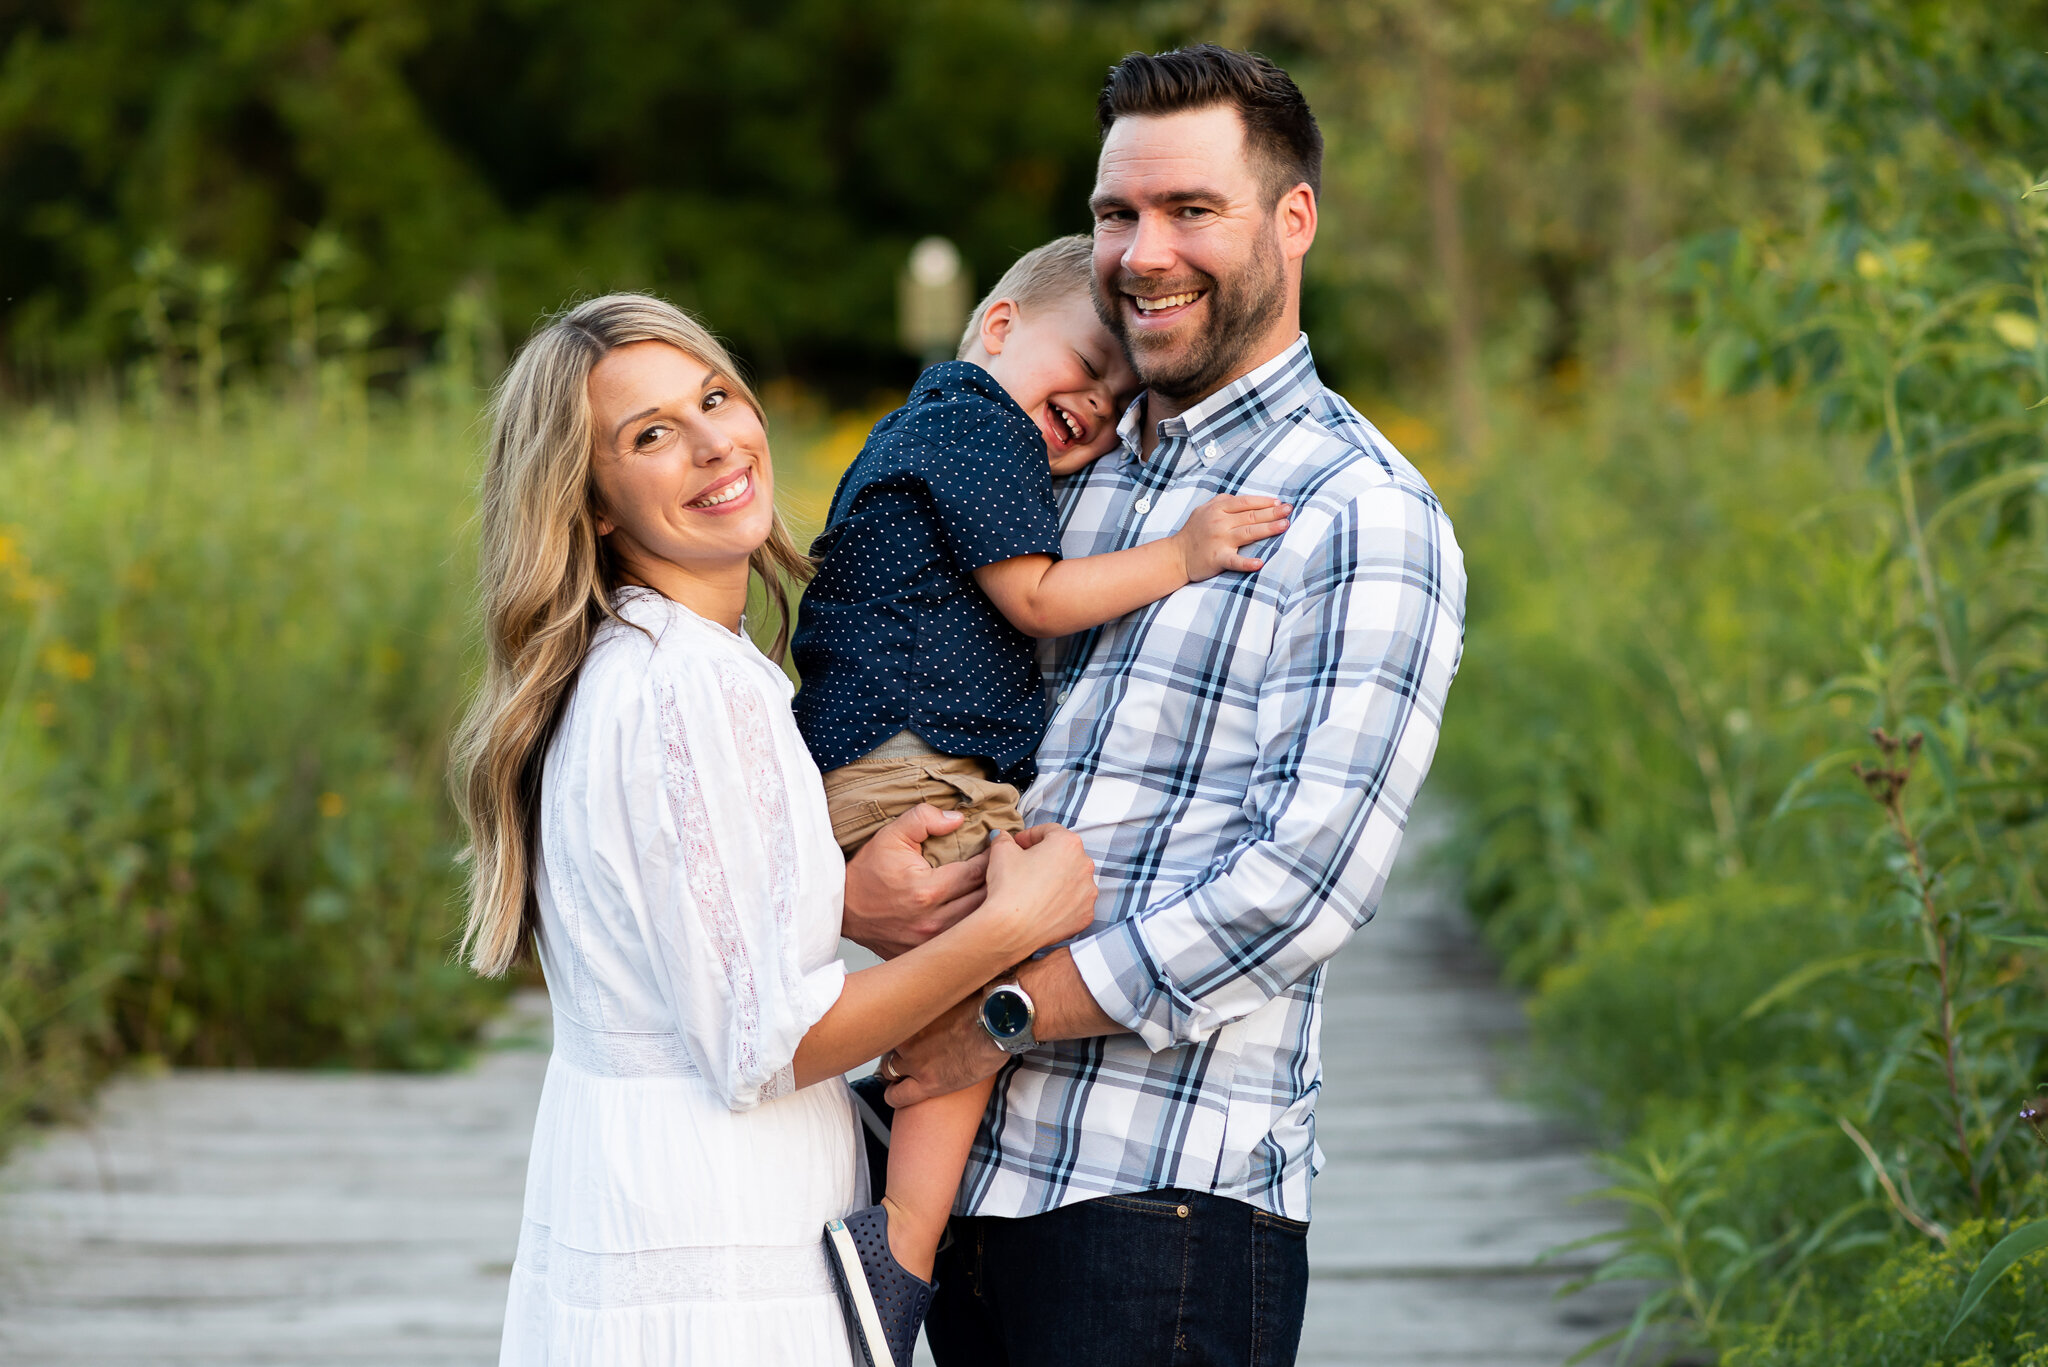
x,y
1295,216
997,322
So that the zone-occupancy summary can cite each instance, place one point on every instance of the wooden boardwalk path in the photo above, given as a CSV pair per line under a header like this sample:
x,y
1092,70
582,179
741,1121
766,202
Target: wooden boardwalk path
x,y
321,1219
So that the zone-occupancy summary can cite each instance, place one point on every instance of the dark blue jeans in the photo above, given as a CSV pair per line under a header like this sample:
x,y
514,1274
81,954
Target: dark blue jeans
x,y
1172,1278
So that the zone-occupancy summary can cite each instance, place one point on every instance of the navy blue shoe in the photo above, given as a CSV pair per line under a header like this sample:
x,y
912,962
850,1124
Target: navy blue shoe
x,y
884,1305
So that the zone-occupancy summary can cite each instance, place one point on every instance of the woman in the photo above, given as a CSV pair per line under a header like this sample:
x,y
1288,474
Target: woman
x,y
642,808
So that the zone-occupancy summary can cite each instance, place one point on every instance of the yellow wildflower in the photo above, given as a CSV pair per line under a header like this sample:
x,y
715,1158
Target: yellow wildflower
x,y
2016,330
63,661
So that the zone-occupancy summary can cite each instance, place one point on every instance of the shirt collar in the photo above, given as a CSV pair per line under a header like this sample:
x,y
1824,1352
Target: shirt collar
x,y
953,377
1246,404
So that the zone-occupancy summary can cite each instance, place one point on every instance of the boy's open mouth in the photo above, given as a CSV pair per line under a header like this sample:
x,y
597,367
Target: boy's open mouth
x,y
1065,427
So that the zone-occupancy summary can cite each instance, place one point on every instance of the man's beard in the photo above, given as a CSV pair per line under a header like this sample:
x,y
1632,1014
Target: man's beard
x,y
1241,307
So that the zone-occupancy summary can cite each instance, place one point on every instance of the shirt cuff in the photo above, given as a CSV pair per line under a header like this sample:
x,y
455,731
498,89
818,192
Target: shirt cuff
x,y
1118,971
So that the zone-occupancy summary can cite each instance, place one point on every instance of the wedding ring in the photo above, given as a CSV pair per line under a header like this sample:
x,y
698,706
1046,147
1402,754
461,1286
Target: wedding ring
x,y
888,1069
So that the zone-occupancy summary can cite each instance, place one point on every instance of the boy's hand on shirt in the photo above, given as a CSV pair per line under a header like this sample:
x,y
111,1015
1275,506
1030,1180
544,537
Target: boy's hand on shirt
x,y
1208,542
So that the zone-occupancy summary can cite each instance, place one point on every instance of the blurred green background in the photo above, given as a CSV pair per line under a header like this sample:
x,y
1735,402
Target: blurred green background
x,y
1716,323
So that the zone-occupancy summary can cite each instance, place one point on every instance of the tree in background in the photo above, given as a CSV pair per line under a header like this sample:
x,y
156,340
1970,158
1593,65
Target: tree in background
x,y
768,164
191,177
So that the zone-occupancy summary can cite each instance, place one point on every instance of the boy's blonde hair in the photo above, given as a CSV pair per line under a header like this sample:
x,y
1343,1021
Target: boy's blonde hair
x,y
1062,267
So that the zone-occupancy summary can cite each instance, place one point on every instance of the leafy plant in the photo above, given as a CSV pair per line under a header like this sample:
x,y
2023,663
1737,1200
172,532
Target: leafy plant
x,y
1689,1243
1901,1021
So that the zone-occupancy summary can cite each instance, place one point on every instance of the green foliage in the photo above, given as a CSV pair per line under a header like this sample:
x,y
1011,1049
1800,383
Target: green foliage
x,y
1694,966
1899,1316
2007,1254
769,164
1773,862
1713,1254
174,167
233,658
1652,615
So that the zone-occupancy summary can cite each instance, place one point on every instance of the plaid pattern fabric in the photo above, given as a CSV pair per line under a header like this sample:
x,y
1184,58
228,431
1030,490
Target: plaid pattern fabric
x,y
1239,759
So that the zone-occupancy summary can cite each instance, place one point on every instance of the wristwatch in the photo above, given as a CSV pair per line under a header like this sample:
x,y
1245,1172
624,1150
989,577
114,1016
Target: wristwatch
x,y
1007,1014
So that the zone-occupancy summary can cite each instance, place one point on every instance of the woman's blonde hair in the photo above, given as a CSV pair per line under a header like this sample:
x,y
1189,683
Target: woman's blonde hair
x,y
547,581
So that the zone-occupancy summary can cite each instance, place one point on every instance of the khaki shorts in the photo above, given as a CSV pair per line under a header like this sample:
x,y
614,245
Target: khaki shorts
x,y
868,794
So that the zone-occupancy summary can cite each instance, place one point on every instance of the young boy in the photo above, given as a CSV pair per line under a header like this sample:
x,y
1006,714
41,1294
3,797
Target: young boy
x,y
939,561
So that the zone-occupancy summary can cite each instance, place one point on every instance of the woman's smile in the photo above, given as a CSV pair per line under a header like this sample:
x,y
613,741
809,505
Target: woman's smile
x,y
728,495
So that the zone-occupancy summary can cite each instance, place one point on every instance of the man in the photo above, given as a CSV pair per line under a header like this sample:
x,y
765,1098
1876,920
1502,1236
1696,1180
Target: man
x,y
1239,760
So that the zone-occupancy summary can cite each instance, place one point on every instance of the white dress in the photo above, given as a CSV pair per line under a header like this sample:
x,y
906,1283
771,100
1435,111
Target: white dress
x,y
689,908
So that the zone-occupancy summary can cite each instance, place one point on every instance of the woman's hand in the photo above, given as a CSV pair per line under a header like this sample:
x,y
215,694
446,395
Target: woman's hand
x,y
1041,887
1208,541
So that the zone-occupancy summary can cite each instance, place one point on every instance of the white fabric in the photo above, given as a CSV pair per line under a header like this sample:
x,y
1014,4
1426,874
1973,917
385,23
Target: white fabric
x,y
689,897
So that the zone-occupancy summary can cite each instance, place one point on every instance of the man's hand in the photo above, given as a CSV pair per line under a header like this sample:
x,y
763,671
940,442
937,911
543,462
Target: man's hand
x,y
952,1052
894,900
955,1051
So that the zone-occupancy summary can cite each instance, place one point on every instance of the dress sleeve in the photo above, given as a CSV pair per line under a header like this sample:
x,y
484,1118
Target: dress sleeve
x,y
709,803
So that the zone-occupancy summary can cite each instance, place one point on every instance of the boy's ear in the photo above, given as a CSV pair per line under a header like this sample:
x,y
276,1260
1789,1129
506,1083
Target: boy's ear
x,y
997,322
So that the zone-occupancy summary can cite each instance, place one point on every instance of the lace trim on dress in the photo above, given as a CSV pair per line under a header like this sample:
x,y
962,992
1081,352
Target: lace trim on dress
x,y
766,789
707,1272
708,886
616,1053
567,886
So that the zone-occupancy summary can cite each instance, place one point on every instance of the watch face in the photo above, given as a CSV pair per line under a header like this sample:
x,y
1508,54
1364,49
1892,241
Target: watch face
x,y
1005,1014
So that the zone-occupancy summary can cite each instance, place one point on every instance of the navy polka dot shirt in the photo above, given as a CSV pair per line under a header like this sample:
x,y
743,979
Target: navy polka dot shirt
x,y
894,635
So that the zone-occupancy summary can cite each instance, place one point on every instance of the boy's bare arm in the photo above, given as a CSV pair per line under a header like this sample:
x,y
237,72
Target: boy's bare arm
x,y
1042,596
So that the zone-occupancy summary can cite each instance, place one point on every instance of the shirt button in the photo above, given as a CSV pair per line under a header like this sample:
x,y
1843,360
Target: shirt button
x,y
1144,504
1062,697
1209,454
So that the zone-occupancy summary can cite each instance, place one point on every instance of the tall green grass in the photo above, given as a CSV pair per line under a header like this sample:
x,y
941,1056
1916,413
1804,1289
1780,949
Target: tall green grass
x,y
235,649
1753,740
1687,615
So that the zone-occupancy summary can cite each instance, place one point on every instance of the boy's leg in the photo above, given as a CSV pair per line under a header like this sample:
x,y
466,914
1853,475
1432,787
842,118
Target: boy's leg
x,y
928,1145
929,1142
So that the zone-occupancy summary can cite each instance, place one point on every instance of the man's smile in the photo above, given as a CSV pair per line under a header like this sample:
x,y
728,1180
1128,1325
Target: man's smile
x,y
1160,310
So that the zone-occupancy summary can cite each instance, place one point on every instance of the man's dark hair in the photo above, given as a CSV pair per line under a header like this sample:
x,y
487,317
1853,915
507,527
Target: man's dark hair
x,y
1280,134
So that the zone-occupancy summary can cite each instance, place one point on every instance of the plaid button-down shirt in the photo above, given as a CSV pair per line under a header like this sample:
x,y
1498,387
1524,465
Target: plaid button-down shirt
x,y
1239,760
